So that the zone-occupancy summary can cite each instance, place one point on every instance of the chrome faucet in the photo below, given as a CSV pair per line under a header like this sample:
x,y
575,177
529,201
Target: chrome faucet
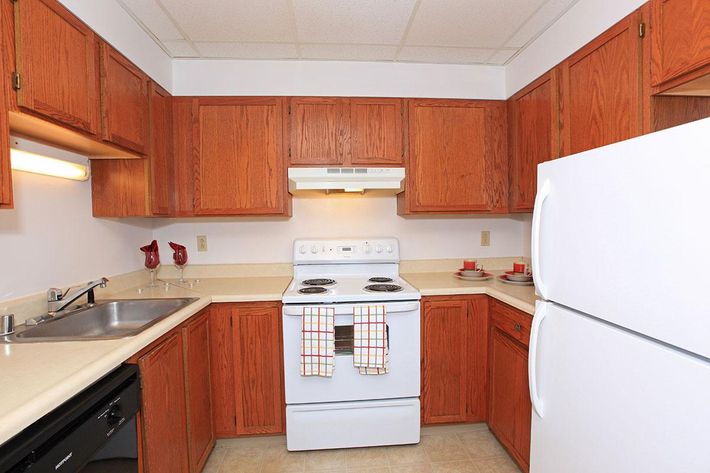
x,y
58,301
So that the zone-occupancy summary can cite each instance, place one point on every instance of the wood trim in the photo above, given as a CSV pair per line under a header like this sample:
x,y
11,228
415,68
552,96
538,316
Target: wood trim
x,y
6,197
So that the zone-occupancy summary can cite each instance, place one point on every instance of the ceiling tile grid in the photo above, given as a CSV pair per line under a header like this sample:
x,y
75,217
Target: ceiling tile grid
x,y
424,31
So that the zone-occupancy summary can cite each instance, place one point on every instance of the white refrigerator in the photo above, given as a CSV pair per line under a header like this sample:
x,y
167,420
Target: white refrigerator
x,y
619,364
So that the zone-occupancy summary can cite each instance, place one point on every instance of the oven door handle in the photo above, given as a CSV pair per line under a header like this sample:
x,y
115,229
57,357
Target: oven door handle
x,y
347,309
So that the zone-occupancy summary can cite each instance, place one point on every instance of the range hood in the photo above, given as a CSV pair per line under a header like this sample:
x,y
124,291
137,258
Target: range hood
x,y
345,179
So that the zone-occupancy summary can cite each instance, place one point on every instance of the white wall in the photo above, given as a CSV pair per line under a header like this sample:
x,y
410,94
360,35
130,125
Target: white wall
x,y
235,77
51,239
579,25
339,215
119,29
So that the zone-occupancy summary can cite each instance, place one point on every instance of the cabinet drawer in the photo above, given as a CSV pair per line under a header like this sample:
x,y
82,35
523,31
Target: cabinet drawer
x,y
511,321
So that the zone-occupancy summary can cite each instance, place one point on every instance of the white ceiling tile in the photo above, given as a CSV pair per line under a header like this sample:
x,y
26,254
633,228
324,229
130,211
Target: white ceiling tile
x,y
230,20
444,55
502,56
247,50
180,48
469,23
352,21
153,18
539,22
348,52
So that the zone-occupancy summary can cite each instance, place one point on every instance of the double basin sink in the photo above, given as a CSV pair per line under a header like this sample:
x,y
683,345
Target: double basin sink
x,y
104,320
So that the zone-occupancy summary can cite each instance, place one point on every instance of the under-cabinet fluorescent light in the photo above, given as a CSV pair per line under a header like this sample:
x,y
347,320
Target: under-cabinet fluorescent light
x,y
22,159
354,189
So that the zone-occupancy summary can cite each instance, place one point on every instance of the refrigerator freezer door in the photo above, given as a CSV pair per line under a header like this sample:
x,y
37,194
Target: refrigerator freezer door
x,y
624,234
615,402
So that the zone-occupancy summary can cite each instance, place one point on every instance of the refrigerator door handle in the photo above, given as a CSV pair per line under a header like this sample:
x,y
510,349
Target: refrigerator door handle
x,y
542,194
540,314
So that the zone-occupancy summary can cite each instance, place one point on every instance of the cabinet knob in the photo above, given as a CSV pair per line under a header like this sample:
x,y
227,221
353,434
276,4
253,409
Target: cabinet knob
x,y
518,327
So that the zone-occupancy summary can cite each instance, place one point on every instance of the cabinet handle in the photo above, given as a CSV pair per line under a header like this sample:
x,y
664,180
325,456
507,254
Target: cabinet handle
x,y
518,327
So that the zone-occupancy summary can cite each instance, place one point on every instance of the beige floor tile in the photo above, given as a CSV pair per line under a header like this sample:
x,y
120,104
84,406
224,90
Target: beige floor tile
x,y
319,460
447,447
414,468
461,466
279,460
382,469
406,455
214,461
242,460
364,458
481,444
497,465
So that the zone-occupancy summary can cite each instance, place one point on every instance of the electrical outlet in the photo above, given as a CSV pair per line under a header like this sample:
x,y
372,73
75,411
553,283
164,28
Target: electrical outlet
x,y
201,242
485,238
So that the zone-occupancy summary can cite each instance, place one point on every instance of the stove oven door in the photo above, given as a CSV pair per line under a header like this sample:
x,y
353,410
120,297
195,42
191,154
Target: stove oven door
x,y
347,384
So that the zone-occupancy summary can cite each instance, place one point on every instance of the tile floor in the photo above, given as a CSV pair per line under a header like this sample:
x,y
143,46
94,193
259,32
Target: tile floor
x,y
469,448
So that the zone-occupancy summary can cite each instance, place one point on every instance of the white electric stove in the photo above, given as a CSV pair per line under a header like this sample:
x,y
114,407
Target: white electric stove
x,y
350,409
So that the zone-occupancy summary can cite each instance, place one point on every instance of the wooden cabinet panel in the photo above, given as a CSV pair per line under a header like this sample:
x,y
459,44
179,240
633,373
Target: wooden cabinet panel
x,y
376,132
201,440
185,135
318,131
119,187
458,161
124,101
5,172
602,89
161,138
510,410
258,372
57,62
163,411
533,127
239,169
222,370
680,38
454,359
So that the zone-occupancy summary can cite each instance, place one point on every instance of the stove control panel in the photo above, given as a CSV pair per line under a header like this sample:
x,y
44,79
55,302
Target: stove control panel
x,y
365,250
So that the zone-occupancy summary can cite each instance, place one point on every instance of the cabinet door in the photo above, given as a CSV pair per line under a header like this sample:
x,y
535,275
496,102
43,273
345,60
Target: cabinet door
x,y
57,59
240,164
124,102
318,131
163,413
680,38
5,172
444,361
196,336
258,387
222,370
477,359
185,134
119,187
376,132
458,161
533,120
161,126
601,89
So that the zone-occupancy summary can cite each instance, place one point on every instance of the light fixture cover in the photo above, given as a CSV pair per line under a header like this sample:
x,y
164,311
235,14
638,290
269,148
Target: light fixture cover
x,y
32,157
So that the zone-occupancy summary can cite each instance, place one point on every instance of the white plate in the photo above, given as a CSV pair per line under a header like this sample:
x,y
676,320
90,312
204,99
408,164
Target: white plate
x,y
486,276
504,278
518,277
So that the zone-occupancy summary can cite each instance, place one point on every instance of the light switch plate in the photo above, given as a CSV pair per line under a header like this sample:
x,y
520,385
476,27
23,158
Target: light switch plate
x,y
201,242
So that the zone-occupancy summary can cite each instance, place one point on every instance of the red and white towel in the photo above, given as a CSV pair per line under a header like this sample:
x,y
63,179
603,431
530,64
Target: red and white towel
x,y
370,345
318,341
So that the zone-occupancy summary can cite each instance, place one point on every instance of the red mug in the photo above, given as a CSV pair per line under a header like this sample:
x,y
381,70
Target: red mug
x,y
519,267
469,264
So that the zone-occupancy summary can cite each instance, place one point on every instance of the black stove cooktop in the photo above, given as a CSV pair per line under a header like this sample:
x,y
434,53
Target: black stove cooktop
x,y
312,290
318,282
383,288
380,279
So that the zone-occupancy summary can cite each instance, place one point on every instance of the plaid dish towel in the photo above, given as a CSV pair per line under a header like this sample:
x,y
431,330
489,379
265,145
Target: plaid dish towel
x,y
318,341
370,346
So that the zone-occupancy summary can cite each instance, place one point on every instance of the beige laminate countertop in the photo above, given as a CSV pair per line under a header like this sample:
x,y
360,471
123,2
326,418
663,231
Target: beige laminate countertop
x,y
37,377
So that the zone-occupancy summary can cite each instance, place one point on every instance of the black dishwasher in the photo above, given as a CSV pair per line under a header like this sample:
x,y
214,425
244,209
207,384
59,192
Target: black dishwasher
x,y
95,431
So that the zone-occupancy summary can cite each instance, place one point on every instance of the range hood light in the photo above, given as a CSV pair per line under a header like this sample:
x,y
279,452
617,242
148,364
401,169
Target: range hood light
x,y
345,179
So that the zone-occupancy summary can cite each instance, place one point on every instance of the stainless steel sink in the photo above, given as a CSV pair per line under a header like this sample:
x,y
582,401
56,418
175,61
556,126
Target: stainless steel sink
x,y
106,320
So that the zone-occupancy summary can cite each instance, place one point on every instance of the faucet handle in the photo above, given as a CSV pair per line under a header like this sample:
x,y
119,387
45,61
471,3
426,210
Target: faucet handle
x,y
54,294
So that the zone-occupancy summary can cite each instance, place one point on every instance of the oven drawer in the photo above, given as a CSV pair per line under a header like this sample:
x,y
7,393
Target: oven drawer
x,y
352,424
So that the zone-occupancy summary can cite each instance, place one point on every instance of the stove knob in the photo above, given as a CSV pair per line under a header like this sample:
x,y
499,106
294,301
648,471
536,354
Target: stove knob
x,y
367,249
378,248
314,249
390,249
302,249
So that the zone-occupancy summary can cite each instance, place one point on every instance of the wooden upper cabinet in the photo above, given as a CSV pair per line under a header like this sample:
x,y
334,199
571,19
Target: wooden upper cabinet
x,y
163,411
57,60
161,141
124,102
5,172
457,158
239,168
318,131
376,132
680,32
196,344
602,87
533,134
185,132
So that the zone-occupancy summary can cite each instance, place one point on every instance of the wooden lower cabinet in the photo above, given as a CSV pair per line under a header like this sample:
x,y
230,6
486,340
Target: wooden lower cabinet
x,y
247,368
510,411
454,359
